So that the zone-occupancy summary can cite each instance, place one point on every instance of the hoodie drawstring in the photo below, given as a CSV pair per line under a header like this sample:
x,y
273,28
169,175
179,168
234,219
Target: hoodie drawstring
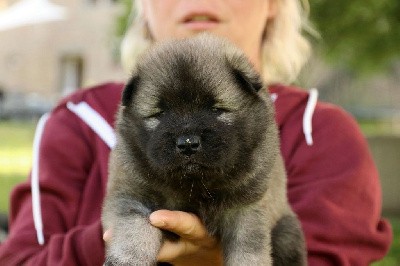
x,y
95,121
308,114
36,209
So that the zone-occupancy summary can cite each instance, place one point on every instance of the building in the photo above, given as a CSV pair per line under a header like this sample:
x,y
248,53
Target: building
x,y
51,59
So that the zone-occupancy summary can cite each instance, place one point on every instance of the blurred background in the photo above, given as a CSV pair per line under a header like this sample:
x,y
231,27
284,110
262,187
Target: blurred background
x,y
51,48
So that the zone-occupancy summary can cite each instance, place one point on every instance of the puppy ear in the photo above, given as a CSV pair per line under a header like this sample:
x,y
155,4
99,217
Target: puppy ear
x,y
243,72
248,81
129,90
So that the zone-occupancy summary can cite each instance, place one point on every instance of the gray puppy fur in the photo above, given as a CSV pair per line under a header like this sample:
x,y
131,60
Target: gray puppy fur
x,y
196,132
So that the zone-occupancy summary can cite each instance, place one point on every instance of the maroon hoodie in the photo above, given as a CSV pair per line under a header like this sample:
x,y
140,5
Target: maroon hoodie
x,y
333,184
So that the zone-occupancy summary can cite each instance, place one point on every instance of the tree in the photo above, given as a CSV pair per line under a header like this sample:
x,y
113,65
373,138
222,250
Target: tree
x,y
363,35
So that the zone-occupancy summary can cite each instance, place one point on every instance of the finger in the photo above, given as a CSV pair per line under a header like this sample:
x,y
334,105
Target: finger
x,y
172,250
186,225
183,252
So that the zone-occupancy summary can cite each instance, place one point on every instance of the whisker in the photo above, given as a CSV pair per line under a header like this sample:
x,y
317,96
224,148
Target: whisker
x,y
191,189
208,192
180,181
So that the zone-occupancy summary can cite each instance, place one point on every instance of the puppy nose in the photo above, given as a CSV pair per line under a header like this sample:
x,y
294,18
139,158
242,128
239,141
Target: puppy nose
x,y
188,144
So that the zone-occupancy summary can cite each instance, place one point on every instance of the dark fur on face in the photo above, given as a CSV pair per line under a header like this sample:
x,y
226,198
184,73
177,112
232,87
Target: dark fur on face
x,y
196,132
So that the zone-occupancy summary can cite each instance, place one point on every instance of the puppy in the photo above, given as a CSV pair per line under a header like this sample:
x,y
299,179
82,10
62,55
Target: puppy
x,y
196,132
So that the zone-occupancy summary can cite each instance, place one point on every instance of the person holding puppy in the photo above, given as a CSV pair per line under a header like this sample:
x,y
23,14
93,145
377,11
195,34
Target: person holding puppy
x,y
333,185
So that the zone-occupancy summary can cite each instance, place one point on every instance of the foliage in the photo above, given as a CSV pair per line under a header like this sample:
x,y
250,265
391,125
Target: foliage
x,y
361,34
124,19
121,23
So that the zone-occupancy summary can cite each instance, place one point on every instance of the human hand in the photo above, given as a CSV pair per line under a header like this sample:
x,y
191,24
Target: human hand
x,y
195,246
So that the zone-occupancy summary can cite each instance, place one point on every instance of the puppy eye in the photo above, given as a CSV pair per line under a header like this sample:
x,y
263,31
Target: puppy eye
x,y
219,110
156,115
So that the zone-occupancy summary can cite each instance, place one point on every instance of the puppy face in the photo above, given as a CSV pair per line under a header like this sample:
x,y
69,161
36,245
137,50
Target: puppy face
x,y
193,111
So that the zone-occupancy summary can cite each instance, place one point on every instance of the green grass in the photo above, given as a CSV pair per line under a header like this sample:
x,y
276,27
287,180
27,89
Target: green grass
x,y
15,156
15,161
379,127
7,182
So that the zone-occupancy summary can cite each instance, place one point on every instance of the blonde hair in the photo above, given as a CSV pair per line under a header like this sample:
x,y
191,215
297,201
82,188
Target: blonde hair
x,y
285,50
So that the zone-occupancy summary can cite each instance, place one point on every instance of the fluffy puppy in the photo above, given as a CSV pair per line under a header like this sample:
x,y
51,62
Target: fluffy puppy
x,y
196,132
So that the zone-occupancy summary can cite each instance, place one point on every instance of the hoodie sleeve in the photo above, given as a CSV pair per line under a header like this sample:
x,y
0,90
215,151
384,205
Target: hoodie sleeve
x,y
333,186
66,160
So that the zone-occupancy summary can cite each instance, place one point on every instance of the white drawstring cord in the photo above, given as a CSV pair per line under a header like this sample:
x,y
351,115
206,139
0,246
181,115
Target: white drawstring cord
x,y
95,121
37,213
274,96
308,114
